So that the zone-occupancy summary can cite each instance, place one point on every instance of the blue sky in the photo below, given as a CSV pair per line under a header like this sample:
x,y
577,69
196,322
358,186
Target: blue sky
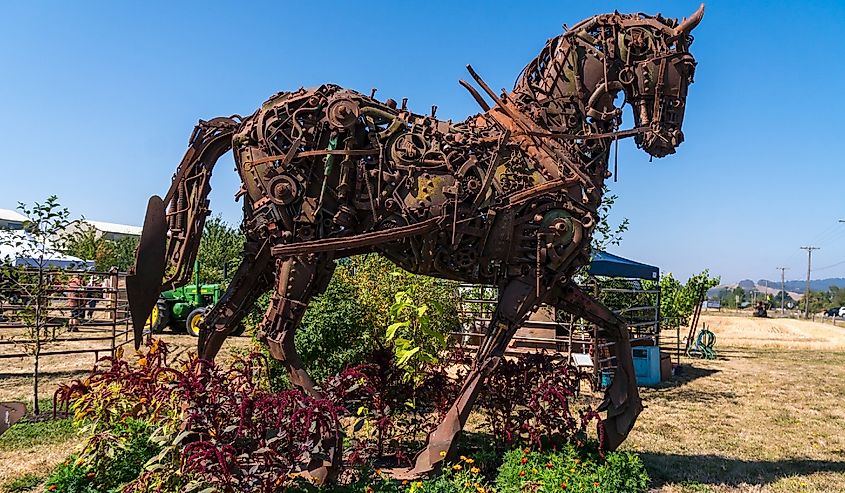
x,y
98,100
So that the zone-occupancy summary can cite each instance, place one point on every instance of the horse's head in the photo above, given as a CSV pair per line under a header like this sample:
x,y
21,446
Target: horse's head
x,y
578,75
656,68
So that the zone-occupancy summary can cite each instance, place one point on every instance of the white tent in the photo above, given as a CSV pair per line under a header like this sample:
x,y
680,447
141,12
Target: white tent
x,y
52,258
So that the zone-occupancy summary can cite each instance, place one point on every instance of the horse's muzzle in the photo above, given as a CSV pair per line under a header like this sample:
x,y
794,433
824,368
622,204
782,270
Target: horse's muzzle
x,y
662,143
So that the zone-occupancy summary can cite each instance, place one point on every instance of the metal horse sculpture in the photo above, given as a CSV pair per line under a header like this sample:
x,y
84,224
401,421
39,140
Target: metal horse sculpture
x,y
507,197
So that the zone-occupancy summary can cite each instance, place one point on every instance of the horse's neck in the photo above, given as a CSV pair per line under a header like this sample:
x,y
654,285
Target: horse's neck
x,y
554,82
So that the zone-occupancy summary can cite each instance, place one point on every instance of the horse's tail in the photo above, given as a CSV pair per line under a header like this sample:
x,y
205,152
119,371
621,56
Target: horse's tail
x,y
173,226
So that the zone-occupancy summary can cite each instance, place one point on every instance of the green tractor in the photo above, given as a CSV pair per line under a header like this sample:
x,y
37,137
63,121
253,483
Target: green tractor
x,y
185,307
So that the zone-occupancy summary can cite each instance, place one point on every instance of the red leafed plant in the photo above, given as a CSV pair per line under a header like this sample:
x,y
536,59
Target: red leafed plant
x,y
247,438
532,402
222,425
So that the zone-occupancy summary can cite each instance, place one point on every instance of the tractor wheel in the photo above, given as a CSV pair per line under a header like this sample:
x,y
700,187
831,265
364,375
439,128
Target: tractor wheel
x,y
158,319
195,318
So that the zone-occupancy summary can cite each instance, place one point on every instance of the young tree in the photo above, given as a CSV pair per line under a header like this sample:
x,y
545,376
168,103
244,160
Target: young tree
x,y
678,301
220,251
605,234
87,243
27,283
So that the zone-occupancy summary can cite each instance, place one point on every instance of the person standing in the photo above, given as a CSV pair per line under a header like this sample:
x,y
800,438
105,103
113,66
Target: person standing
x,y
75,303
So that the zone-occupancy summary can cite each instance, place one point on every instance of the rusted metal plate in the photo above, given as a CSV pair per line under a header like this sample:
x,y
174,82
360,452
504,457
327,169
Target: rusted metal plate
x,y
10,413
143,284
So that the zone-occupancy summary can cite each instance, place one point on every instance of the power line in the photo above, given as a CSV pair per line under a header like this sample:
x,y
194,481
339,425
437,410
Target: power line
x,y
837,264
809,268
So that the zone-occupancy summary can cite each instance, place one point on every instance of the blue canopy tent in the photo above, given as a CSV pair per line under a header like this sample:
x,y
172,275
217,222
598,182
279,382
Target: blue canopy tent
x,y
609,265
642,319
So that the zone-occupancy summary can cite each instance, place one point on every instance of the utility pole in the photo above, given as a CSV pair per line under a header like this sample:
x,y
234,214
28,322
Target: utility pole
x,y
809,267
782,288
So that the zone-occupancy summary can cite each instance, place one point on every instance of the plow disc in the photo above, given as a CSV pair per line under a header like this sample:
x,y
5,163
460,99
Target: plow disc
x,y
143,284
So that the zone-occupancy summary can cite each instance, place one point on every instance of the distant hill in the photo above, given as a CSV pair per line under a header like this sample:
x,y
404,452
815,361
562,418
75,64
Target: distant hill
x,y
799,286
747,284
794,288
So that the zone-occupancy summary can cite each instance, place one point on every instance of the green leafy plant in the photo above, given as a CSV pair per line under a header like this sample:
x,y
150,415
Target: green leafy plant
x,y
70,477
89,244
219,251
605,234
415,343
109,461
677,301
572,470
461,477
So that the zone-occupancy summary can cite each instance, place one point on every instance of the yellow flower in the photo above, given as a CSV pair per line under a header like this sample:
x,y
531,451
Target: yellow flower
x,y
404,482
463,457
466,484
534,471
457,467
479,489
442,453
470,460
475,470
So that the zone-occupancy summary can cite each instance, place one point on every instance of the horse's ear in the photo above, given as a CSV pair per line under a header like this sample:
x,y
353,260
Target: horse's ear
x,y
690,22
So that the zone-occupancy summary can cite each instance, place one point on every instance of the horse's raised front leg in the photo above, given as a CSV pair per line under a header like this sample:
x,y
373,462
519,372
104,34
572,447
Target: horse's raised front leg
x,y
252,278
516,301
298,280
622,399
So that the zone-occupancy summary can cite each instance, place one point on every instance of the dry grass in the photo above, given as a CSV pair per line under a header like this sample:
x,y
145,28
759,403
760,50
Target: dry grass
x,y
757,419
788,333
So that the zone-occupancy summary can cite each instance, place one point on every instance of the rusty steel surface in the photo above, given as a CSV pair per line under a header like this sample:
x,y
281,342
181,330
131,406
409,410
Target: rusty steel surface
x,y
507,197
10,413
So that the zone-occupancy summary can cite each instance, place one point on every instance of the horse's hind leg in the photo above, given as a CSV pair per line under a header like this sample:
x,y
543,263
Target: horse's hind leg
x,y
249,281
516,301
298,279
622,399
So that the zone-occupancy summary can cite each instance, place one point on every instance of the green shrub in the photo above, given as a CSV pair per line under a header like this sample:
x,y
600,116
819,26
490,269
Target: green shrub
x,y
333,333
110,460
345,324
571,470
463,477
70,477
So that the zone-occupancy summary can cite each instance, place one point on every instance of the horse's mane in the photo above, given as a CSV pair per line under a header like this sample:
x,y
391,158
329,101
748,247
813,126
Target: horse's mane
x,y
536,70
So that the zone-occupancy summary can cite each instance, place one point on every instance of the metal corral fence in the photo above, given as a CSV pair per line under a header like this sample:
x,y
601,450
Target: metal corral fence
x,y
558,332
62,312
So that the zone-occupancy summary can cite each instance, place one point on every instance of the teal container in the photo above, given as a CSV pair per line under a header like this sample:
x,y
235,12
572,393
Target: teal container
x,y
606,378
647,365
